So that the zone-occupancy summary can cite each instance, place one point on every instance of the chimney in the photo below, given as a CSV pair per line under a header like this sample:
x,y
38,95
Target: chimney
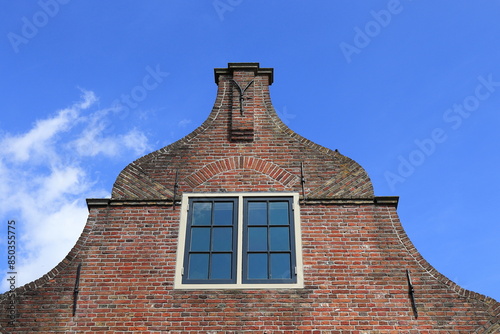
x,y
247,87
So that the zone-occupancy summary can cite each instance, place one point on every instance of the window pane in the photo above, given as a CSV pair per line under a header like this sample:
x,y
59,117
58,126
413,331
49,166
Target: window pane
x,y
257,266
222,239
280,239
202,213
223,213
257,239
221,266
198,266
257,213
278,213
280,266
200,239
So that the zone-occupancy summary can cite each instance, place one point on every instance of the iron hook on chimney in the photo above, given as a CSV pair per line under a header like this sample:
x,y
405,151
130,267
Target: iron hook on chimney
x,y
242,93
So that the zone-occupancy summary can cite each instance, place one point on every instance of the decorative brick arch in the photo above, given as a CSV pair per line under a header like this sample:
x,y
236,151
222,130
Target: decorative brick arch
x,y
281,175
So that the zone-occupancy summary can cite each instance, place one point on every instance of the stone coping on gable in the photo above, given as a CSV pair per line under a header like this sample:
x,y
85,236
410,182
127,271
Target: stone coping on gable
x,y
377,200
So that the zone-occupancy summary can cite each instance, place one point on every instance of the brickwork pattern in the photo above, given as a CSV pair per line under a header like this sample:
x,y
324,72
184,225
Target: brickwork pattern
x,y
355,258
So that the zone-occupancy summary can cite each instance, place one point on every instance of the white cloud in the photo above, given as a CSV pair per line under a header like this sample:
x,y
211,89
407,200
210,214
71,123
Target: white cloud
x,y
61,181
88,98
183,123
136,141
44,179
38,141
94,141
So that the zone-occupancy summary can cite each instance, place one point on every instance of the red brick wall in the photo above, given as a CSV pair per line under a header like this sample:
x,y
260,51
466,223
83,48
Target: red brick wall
x,y
355,252
355,257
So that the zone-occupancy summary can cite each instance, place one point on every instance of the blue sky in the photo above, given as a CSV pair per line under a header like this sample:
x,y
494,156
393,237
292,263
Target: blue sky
x,y
409,89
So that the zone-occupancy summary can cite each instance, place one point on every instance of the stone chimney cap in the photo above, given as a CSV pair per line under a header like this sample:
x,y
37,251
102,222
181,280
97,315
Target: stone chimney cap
x,y
255,67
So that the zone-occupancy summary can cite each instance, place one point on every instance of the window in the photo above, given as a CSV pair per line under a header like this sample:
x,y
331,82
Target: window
x,y
211,241
239,241
267,241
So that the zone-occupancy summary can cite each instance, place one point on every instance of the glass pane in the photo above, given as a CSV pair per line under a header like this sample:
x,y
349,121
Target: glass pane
x,y
280,266
280,239
200,239
222,239
257,213
257,266
278,213
198,266
202,213
221,266
257,239
223,213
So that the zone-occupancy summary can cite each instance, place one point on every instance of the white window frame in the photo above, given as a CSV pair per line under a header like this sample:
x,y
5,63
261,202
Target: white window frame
x,y
181,244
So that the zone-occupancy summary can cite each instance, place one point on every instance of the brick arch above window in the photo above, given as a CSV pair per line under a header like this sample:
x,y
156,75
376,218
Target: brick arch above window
x,y
274,171
241,180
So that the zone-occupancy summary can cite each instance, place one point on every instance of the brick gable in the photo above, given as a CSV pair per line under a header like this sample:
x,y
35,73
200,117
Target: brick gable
x,y
201,153
355,252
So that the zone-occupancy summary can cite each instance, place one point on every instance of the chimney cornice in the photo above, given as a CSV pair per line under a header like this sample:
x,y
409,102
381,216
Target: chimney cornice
x,y
255,67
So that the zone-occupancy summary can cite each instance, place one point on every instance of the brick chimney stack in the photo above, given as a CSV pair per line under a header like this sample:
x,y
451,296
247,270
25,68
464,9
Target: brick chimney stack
x,y
243,89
